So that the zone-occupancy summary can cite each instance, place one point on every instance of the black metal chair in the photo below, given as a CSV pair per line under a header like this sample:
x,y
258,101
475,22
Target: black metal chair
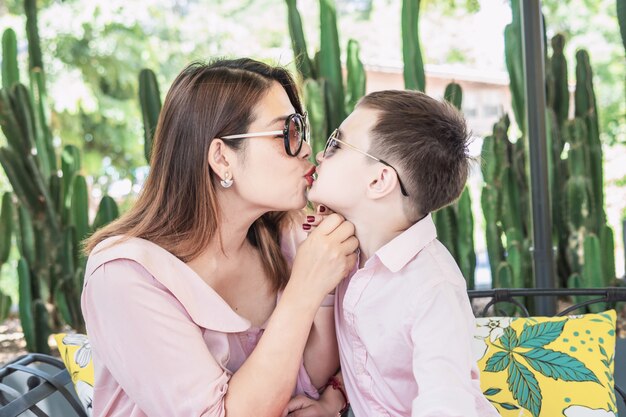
x,y
45,376
611,296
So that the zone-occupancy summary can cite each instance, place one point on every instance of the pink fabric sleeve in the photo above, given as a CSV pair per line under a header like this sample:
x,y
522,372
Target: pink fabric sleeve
x,y
304,385
150,345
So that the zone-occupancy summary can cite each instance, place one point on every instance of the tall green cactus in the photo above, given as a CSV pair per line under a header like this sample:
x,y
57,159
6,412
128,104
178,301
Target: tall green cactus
x,y
10,72
330,62
6,231
327,98
355,88
584,240
507,233
414,75
304,64
32,33
455,223
621,18
514,57
53,207
150,100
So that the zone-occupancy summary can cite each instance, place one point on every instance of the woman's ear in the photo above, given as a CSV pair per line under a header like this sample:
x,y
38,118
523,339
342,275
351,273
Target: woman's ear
x,y
219,158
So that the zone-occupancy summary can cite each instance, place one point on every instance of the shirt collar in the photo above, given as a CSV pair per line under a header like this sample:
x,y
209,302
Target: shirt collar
x,y
400,250
203,304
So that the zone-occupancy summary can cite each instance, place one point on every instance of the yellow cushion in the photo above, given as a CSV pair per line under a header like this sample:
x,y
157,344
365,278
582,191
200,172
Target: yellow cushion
x,y
76,354
548,366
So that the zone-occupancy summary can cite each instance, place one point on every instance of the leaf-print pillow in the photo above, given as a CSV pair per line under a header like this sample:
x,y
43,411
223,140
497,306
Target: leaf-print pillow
x,y
548,366
76,355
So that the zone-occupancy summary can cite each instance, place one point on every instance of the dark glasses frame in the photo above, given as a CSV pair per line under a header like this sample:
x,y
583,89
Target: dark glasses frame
x,y
298,119
334,137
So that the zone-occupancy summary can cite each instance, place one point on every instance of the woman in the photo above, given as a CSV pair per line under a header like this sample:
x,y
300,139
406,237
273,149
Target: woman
x,y
189,301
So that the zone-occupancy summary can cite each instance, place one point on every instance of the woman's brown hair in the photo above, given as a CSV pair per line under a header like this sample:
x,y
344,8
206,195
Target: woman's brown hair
x,y
177,207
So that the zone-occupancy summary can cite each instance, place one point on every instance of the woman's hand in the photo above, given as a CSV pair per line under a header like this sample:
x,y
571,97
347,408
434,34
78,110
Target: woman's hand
x,y
312,220
325,257
302,406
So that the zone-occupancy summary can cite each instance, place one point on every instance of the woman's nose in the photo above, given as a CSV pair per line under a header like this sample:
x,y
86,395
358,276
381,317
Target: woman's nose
x,y
305,151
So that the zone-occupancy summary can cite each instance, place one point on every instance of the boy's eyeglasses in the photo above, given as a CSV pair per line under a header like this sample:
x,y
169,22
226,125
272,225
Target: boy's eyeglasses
x,y
295,132
333,143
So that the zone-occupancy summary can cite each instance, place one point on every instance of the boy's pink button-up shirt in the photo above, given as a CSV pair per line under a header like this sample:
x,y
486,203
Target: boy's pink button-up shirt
x,y
164,343
404,326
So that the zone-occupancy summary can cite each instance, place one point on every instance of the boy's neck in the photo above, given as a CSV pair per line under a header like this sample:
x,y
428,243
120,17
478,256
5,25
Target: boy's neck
x,y
374,235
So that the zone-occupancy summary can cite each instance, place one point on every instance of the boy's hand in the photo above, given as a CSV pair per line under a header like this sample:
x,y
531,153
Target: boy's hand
x,y
312,220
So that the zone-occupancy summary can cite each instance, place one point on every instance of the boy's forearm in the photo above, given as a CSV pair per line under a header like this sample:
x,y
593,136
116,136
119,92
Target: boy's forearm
x,y
321,356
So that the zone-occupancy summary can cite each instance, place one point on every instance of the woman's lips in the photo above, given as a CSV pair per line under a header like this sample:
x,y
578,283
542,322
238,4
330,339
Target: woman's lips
x,y
310,176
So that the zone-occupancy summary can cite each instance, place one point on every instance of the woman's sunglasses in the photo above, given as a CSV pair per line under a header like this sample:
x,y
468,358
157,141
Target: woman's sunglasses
x,y
295,132
333,143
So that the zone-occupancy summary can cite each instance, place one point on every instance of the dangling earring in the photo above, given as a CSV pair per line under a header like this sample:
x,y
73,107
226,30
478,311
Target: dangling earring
x,y
227,181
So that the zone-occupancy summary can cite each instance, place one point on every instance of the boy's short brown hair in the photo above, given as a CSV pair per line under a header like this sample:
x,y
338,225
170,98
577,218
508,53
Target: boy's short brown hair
x,y
426,140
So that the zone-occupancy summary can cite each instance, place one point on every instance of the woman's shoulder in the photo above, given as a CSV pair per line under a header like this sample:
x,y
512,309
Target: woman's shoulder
x,y
148,254
122,263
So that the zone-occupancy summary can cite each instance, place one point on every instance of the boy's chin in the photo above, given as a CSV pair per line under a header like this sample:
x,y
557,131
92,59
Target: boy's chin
x,y
312,194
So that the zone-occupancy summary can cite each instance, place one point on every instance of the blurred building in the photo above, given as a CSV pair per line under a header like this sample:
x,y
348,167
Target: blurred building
x,y
486,95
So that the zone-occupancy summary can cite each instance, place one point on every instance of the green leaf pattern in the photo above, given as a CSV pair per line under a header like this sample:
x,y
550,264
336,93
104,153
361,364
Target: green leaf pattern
x,y
498,362
541,334
525,387
558,365
529,347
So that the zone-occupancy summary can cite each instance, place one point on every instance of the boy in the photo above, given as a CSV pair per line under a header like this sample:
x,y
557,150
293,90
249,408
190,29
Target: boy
x,y
403,319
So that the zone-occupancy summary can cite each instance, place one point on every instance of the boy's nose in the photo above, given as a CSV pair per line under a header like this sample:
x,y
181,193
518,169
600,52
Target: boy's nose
x,y
319,157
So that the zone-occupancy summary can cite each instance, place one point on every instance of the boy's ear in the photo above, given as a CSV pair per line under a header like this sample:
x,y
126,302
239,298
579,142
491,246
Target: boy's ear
x,y
220,157
383,183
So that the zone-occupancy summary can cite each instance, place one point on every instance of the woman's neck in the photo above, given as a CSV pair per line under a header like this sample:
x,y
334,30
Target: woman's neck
x,y
230,243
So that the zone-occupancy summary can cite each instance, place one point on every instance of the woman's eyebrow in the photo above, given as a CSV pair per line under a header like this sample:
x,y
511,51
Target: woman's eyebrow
x,y
277,119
